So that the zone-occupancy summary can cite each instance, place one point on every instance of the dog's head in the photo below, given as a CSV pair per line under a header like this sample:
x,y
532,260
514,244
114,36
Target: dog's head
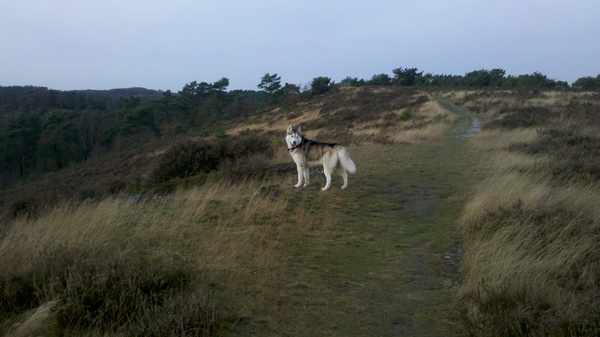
x,y
293,137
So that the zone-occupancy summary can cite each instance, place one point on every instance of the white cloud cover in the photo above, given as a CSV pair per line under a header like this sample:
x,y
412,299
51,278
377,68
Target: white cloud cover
x,y
82,44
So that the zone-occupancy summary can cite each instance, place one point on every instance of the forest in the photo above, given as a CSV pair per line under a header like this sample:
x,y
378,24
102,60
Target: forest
x,y
44,130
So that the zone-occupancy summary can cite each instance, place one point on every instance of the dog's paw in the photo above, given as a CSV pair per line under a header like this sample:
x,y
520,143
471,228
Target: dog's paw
x,y
297,185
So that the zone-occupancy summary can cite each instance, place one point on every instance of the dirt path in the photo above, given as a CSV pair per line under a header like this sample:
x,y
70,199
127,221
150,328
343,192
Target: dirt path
x,y
404,248
409,238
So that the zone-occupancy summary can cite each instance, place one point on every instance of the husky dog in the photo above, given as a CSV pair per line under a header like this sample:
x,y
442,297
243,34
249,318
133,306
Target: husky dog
x,y
306,153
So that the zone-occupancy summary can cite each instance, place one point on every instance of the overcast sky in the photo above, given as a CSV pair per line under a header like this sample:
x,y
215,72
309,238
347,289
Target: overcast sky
x,y
105,44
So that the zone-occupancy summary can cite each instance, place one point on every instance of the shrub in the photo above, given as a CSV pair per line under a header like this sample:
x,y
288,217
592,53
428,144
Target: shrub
x,y
186,159
191,158
27,208
406,115
520,118
574,156
109,294
248,145
106,296
244,168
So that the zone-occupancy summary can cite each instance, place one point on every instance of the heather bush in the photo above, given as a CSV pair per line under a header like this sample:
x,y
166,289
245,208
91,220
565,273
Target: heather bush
x,y
27,208
191,158
521,117
574,156
186,159
106,293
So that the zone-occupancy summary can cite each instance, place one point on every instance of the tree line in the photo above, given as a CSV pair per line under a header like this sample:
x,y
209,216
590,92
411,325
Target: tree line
x,y
477,78
496,78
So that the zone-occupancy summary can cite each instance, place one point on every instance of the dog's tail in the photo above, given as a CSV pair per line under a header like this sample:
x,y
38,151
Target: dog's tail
x,y
345,160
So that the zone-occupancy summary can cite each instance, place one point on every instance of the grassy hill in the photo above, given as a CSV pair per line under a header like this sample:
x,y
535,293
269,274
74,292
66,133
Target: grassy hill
x,y
347,115
441,232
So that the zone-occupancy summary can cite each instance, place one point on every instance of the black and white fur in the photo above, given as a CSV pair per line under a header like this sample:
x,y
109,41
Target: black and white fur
x,y
307,153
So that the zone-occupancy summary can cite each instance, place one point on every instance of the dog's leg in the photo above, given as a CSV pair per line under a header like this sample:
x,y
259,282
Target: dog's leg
x,y
300,169
306,175
327,172
344,175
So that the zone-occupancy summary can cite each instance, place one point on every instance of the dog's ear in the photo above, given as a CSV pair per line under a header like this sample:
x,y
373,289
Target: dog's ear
x,y
299,130
289,130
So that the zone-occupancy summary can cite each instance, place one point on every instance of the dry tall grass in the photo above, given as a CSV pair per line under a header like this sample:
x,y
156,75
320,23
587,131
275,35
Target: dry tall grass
x,y
154,267
531,266
498,139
